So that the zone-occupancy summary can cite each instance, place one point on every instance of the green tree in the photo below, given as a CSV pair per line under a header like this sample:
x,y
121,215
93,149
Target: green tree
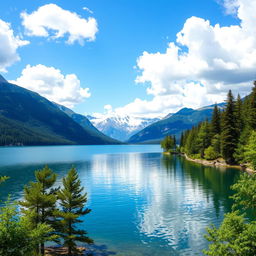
x,y
244,197
40,198
238,115
215,123
252,108
168,143
243,141
250,151
229,132
72,202
17,236
237,234
203,138
235,237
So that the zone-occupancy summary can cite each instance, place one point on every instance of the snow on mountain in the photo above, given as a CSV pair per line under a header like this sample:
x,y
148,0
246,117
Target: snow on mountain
x,y
120,127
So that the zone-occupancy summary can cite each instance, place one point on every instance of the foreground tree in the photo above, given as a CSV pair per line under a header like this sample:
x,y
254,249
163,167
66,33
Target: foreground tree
x,y
235,237
17,236
237,234
72,202
40,199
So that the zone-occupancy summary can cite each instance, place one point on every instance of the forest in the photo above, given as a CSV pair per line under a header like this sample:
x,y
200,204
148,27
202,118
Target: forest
x,y
229,136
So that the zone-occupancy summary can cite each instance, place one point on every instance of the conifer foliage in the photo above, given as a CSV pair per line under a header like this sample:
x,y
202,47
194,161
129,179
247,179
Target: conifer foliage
x,y
169,143
40,199
230,134
72,201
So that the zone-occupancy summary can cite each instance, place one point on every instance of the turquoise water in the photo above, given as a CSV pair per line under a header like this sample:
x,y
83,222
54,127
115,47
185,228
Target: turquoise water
x,y
143,203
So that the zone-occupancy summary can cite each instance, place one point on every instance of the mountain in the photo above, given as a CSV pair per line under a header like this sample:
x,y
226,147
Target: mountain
x,y
174,124
26,118
120,127
85,123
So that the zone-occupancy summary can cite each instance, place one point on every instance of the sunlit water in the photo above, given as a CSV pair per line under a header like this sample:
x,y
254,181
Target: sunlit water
x,y
143,203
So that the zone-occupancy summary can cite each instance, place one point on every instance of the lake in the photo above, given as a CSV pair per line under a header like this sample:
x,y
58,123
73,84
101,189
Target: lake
x,y
143,203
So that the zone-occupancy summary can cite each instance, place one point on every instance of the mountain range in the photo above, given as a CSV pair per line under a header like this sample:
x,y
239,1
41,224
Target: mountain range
x,y
26,118
120,127
173,124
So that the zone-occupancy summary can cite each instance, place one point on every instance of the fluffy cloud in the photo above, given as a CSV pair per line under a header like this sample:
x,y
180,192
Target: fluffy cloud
x,y
52,84
202,64
50,20
9,43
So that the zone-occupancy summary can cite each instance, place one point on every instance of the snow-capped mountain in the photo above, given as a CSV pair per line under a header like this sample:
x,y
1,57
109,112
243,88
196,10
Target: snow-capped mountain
x,y
120,127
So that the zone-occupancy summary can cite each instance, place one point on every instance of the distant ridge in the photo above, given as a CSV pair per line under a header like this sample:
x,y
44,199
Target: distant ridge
x,y
85,123
2,80
173,124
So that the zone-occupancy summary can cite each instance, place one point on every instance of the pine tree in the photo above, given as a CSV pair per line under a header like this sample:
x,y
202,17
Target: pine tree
x,y
40,199
238,115
215,123
252,108
203,138
174,142
72,202
182,138
229,136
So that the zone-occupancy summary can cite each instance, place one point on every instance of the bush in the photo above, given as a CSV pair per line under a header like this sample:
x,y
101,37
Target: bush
x,y
17,236
210,154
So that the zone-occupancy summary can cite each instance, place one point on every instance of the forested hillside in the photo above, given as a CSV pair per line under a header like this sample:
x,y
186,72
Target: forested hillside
x,y
26,118
175,124
230,133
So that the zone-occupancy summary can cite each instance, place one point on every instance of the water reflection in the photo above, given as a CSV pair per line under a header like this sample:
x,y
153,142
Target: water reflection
x,y
142,203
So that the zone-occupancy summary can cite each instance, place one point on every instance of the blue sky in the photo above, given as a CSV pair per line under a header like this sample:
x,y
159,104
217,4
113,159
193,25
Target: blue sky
x,y
106,64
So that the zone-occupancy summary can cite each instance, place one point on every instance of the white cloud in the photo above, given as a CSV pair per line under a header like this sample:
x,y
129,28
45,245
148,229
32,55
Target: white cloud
x,y
202,64
9,44
52,21
52,84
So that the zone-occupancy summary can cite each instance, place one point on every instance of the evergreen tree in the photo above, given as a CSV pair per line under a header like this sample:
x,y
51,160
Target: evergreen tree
x,y
40,199
250,151
238,115
229,132
215,123
72,202
237,234
203,138
182,140
252,108
174,142
168,143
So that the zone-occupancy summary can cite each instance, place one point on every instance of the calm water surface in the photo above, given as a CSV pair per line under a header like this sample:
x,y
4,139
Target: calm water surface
x,y
143,203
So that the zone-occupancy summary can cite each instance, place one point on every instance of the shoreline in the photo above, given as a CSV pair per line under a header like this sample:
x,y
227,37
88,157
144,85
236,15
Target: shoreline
x,y
216,162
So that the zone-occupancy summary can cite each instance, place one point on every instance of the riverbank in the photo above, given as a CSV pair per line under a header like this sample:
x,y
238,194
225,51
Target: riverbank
x,y
216,162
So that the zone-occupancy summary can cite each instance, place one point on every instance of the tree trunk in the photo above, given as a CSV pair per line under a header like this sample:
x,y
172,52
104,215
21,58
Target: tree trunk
x,y
42,248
